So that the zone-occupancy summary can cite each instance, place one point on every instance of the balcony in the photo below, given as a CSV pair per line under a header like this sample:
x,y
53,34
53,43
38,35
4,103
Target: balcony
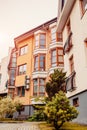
x,y
68,43
55,44
33,101
70,82
51,70
36,74
39,50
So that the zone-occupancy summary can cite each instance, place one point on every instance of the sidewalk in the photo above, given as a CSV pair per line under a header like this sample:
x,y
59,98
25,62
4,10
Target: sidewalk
x,y
20,126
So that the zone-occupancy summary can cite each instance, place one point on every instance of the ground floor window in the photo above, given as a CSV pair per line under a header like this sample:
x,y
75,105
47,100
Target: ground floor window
x,y
76,102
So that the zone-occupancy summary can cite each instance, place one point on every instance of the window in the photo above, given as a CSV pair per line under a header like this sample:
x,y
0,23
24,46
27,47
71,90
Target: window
x,y
39,87
23,50
53,34
71,82
54,58
22,69
21,91
83,4
12,77
39,62
40,41
35,84
71,64
76,102
57,57
68,44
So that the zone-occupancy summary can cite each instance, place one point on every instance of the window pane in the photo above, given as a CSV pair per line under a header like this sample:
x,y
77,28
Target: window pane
x,y
60,52
53,59
42,36
26,49
23,50
54,53
36,37
42,40
42,89
23,91
42,62
53,34
36,63
19,91
53,30
24,68
42,81
35,83
60,58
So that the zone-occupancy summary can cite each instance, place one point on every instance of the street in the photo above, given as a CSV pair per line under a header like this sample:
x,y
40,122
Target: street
x,y
19,126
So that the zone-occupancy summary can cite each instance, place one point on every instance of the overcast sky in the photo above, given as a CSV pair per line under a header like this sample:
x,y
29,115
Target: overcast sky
x,y
19,16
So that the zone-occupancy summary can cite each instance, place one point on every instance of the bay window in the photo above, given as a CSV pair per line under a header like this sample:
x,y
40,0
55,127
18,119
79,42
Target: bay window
x,y
53,34
39,62
40,41
39,87
57,57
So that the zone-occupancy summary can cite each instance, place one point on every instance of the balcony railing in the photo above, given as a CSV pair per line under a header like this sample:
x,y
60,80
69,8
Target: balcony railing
x,y
68,44
70,82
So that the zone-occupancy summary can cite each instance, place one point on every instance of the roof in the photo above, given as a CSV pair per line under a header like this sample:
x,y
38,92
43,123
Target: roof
x,y
31,32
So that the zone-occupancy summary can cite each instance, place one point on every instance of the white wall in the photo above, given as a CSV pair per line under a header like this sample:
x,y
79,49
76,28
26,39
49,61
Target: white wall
x,y
79,30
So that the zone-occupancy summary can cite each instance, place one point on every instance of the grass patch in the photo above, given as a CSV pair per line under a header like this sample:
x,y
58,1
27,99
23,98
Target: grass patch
x,y
66,126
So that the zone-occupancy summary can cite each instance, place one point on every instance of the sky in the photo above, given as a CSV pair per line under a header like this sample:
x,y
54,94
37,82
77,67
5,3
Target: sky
x,y
20,16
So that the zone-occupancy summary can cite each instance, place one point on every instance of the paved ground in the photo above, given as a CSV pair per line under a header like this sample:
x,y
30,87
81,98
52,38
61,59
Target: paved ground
x,y
19,126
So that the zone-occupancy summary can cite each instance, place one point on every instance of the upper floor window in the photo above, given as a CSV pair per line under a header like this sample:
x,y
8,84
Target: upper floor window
x,y
71,60
23,50
22,69
39,87
71,82
57,57
53,34
68,44
83,4
20,91
39,62
40,41
12,74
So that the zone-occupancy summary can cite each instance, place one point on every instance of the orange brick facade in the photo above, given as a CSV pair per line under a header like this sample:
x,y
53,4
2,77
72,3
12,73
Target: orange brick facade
x,y
38,52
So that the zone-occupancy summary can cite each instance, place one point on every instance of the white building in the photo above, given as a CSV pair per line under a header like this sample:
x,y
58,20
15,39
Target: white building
x,y
72,22
4,74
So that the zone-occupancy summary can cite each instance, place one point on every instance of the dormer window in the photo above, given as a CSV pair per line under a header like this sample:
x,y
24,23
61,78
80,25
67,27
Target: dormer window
x,y
40,41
